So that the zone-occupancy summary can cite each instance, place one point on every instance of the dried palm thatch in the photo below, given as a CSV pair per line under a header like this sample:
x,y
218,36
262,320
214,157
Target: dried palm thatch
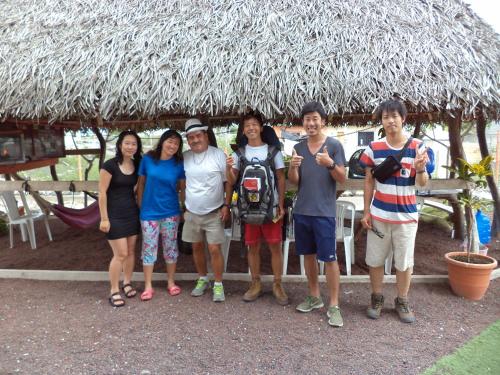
x,y
72,59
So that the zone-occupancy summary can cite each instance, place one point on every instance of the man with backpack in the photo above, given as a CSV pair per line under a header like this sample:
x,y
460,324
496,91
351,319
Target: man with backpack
x,y
258,170
317,165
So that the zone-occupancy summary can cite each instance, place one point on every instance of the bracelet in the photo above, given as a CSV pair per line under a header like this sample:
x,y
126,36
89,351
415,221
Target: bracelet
x,y
104,219
225,205
331,167
419,172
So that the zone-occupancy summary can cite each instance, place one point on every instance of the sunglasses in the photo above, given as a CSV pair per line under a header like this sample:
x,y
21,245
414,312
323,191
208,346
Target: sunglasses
x,y
378,233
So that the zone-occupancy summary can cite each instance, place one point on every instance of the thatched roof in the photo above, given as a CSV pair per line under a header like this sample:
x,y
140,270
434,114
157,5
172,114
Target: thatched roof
x,y
135,59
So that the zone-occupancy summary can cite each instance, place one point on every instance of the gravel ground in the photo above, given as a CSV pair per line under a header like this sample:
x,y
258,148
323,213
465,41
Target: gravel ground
x,y
69,328
88,250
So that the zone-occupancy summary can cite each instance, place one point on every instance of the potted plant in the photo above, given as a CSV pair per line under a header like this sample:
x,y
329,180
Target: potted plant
x,y
469,272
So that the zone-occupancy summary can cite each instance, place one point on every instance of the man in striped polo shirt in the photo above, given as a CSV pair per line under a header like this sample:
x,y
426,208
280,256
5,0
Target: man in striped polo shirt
x,y
390,212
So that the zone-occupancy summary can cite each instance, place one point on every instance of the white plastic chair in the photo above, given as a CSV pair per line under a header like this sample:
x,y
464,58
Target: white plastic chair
x,y
343,234
290,237
26,221
345,210
231,234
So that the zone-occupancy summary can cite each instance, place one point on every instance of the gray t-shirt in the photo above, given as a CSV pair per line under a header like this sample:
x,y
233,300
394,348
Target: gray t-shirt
x,y
317,189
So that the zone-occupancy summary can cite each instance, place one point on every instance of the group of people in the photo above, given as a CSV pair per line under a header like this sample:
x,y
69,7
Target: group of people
x,y
154,193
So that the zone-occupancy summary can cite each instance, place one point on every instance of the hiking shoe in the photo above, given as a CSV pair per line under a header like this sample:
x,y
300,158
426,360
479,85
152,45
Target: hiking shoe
x,y
404,311
279,294
201,286
375,308
218,293
310,303
334,316
254,292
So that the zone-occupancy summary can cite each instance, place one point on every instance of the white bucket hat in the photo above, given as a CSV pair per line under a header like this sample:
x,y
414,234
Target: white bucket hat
x,y
194,125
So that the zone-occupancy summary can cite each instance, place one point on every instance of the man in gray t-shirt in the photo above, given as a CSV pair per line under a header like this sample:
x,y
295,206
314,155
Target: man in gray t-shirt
x,y
316,166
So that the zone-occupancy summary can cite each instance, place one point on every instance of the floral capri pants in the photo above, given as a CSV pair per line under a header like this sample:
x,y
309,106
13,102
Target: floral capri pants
x,y
151,230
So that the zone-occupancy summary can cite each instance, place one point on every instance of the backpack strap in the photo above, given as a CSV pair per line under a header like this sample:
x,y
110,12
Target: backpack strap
x,y
242,160
272,151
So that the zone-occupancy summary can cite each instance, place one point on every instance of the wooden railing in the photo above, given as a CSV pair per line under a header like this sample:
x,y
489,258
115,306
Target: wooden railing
x,y
433,184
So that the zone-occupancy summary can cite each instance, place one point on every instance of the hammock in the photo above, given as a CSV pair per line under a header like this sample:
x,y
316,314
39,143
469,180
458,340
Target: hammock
x,y
81,218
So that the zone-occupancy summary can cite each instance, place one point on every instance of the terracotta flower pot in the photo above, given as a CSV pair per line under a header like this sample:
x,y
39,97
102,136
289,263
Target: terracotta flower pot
x,y
469,280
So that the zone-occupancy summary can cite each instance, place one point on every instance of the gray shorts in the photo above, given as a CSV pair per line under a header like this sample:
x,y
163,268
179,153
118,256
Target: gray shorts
x,y
398,238
197,228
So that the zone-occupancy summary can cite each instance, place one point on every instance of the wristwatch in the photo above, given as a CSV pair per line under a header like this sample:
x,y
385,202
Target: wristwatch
x,y
330,167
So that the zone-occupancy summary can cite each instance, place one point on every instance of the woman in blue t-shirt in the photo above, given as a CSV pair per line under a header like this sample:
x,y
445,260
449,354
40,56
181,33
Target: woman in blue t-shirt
x,y
161,182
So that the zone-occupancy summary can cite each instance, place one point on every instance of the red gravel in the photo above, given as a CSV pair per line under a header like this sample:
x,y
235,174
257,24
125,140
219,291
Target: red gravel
x,y
69,327
88,250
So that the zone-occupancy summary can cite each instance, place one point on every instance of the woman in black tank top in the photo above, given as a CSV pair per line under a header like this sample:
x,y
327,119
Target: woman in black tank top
x,y
120,213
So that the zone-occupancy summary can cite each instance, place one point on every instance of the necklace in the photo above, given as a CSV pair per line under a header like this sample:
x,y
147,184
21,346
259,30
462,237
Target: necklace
x,y
202,159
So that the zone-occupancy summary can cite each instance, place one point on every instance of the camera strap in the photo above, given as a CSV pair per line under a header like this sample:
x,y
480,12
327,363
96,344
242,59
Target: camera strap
x,y
399,155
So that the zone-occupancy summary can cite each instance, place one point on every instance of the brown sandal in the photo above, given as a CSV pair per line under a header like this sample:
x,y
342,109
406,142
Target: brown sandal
x,y
131,293
113,301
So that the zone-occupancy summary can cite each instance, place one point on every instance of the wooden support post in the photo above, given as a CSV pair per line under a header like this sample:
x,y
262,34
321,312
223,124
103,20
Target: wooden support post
x,y
53,173
483,147
418,127
456,151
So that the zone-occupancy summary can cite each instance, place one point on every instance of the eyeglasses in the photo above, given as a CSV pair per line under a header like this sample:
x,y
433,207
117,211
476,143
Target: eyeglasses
x,y
377,232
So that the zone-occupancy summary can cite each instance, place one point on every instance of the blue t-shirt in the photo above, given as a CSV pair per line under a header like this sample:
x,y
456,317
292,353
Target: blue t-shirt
x,y
160,199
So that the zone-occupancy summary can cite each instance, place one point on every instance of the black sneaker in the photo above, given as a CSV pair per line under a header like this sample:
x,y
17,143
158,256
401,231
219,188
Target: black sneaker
x,y
375,308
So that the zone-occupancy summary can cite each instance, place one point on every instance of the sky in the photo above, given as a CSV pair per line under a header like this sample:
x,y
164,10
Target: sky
x,y
488,10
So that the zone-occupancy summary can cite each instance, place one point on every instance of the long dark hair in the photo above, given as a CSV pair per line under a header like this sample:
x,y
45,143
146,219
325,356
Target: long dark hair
x,y
156,152
138,154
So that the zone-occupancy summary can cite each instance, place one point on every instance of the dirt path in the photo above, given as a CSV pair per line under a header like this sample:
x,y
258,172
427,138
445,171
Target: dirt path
x,y
69,328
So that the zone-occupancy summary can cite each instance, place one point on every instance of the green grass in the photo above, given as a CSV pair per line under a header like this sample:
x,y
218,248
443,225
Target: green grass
x,y
67,170
480,355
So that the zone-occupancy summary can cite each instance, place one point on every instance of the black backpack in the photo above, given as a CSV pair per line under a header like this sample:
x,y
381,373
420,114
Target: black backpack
x,y
256,188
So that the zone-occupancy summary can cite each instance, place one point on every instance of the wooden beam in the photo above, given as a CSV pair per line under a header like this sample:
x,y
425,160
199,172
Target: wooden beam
x,y
59,275
213,120
433,184
88,151
14,168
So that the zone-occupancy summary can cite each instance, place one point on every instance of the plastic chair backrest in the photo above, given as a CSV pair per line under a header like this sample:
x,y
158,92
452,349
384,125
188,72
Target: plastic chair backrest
x,y
339,219
11,205
26,206
342,207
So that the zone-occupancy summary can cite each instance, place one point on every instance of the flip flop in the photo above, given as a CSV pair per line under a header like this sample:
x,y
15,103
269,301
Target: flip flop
x,y
147,294
131,292
113,301
174,290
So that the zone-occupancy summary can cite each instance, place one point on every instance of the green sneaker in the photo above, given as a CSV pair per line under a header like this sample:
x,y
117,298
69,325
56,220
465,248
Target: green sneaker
x,y
201,286
310,303
218,293
334,316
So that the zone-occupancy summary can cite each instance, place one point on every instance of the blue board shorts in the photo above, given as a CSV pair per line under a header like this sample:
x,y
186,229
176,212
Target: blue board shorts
x,y
315,235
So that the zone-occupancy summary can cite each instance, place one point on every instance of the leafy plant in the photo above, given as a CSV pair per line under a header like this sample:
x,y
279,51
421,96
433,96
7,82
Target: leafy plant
x,y
3,227
475,174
